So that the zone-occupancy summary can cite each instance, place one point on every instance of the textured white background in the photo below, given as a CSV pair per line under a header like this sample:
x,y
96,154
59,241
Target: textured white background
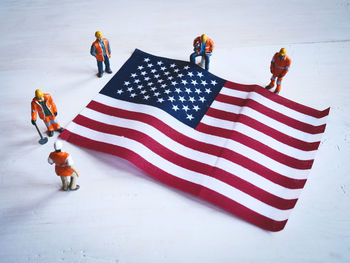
x,y
121,215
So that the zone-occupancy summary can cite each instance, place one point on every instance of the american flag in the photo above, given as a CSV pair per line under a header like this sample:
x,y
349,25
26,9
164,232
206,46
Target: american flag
x,y
240,147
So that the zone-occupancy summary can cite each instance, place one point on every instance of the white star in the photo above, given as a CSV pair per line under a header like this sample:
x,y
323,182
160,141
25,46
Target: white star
x,y
213,82
132,95
188,90
126,83
196,108
208,90
140,67
146,97
120,91
170,78
160,100
143,73
156,94
171,99
198,91
192,99
190,117
185,108
150,65
160,80
202,99
184,82
200,74
143,91
130,89
173,83
147,78
190,74
149,83
153,71
146,59
175,107
194,82
180,75
186,67
204,83
156,76
173,65
153,88
163,85
133,75
163,68
181,98
166,73
136,81
159,63
167,91
178,90
139,86
176,70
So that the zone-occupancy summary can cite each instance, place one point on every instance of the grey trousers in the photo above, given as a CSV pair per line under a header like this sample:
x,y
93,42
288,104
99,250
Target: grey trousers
x,y
73,182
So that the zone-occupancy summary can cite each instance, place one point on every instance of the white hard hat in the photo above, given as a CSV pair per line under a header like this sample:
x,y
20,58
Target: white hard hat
x,y
58,145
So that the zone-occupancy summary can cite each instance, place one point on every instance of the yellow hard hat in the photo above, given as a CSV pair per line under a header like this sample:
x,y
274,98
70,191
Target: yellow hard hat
x,y
98,34
39,94
283,51
204,38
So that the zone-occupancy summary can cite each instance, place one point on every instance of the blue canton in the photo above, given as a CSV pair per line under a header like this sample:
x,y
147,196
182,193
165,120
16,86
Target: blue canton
x,y
180,88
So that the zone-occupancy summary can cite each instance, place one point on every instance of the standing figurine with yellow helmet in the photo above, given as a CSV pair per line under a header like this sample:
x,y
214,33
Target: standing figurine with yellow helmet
x,y
101,50
43,105
202,46
279,67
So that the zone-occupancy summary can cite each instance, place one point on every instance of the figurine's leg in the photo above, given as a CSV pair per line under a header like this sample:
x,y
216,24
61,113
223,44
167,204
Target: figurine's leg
x,y
49,126
100,68
73,181
193,57
279,85
272,82
207,61
64,183
107,65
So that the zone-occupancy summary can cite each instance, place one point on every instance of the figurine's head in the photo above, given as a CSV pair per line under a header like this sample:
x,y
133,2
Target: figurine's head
x,y
204,38
58,146
98,34
283,52
39,94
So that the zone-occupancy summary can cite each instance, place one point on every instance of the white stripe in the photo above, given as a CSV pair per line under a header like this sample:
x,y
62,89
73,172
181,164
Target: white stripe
x,y
301,135
274,106
184,151
185,174
261,137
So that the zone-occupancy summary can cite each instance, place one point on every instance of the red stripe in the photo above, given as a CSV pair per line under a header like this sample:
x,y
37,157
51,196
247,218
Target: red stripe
x,y
278,99
302,126
200,146
166,178
263,128
187,163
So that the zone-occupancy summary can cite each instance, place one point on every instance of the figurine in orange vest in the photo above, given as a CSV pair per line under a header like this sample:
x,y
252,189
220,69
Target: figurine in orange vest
x,y
43,105
279,67
64,167
101,50
203,46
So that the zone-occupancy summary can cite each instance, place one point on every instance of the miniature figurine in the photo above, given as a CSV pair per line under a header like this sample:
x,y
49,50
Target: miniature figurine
x,y
202,46
43,104
64,167
102,51
279,67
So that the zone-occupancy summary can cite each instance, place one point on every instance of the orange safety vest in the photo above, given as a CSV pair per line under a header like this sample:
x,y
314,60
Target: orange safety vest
x,y
99,51
280,66
37,108
60,159
209,45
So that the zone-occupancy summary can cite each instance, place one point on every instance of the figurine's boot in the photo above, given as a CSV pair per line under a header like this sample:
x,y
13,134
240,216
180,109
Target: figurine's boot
x,y
271,85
